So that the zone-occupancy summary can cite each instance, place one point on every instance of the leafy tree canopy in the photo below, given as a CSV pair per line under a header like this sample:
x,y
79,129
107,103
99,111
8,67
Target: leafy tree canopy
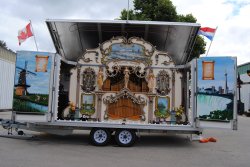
x,y
4,45
163,10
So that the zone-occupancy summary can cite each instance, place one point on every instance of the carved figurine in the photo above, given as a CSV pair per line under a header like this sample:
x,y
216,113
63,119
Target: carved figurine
x,y
72,107
163,83
126,77
151,81
100,78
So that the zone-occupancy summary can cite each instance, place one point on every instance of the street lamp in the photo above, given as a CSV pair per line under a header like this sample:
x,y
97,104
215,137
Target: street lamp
x,y
239,83
239,104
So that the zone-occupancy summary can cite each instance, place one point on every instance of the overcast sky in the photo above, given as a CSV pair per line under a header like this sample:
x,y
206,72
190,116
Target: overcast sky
x,y
231,16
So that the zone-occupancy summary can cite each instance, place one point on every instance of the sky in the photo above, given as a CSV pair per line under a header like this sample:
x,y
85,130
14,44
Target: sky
x,y
39,83
232,37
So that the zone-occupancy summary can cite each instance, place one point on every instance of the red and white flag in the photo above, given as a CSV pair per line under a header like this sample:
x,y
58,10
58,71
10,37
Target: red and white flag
x,y
24,33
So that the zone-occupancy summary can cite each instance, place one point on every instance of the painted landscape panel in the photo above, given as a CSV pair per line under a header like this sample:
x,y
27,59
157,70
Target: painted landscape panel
x,y
31,89
127,52
162,107
215,98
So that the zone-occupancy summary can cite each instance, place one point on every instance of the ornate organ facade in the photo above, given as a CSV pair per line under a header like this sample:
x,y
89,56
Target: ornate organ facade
x,y
126,80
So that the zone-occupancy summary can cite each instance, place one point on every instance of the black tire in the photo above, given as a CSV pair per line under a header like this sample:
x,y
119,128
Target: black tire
x,y
125,137
20,132
100,137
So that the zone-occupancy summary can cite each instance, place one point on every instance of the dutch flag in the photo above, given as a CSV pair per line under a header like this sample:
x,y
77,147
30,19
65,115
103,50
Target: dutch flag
x,y
207,32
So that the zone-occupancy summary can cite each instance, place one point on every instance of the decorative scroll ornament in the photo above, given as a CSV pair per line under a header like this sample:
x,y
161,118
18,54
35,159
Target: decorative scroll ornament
x,y
88,80
125,105
139,72
164,58
166,63
163,83
89,59
124,93
114,71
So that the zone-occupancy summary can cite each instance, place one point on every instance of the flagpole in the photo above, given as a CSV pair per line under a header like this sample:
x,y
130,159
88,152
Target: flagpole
x,y
128,11
211,41
33,35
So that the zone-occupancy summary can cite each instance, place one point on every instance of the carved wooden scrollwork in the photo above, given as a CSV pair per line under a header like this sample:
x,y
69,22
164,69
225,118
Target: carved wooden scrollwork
x,y
87,60
88,80
163,83
125,105
114,71
139,72
124,93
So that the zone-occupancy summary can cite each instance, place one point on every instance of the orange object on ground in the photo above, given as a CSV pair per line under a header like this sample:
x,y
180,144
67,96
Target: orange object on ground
x,y
211,139
204,140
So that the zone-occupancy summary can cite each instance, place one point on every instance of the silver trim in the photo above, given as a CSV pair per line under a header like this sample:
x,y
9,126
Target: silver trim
x,y
56,86
90,125
124,22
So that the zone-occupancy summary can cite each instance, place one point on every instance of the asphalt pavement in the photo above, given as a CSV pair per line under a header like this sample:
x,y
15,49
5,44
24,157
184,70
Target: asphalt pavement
x,y
231,150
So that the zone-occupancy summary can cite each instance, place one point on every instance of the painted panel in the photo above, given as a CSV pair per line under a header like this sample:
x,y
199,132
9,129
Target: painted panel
x,y
127,52
87,104
31,89
162,107
215,98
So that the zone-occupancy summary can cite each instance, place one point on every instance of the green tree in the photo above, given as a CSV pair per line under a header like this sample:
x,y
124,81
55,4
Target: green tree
x,y
163,10
3,44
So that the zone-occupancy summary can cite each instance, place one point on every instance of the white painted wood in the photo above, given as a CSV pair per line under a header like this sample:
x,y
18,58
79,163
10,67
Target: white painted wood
x,y
7,73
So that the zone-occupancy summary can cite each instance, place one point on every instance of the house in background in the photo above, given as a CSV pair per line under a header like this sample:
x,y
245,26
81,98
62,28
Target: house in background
x,y
243,71
7,73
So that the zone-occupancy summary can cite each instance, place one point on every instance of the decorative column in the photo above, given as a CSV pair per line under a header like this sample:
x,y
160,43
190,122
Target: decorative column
x,y
78,90
173,88
99,95
184,81
151,98
183,85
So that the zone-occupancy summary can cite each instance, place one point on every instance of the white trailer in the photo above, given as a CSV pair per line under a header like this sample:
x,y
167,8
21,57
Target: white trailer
x,y
123,77
7,68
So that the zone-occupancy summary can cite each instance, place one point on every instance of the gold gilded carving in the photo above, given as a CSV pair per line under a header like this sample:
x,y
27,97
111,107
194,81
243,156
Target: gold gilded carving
x,y
100,78
151,81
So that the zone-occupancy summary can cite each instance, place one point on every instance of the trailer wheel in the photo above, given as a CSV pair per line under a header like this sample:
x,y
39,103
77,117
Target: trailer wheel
x,y
125,137
100,137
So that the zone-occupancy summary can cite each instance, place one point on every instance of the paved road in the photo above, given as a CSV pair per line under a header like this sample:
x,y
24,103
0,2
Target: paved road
x,y
153,150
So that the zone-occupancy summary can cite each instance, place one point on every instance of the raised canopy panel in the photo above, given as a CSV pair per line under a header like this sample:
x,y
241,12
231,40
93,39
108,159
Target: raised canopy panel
x,y
72,37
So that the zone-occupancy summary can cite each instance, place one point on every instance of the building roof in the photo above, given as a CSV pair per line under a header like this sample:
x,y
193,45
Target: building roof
x,y
243,68
72,37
